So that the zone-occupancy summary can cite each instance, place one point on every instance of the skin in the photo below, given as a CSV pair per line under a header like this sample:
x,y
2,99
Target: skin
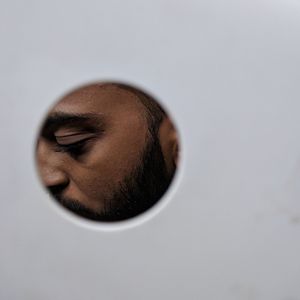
x,y
112,137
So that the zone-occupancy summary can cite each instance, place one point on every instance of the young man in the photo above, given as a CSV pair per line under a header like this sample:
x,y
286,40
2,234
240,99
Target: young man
x,y
107,152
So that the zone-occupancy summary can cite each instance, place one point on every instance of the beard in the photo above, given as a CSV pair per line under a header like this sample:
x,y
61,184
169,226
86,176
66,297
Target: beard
x,y
137,192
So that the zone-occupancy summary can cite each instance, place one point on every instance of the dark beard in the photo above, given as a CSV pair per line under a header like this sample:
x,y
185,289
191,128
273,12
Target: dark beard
x,y
136,193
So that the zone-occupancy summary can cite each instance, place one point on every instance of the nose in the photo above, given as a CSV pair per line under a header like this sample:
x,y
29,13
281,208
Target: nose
x,y
51,167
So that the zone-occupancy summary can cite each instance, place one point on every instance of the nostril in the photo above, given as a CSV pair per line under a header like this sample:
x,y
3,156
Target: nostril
x,y
56,190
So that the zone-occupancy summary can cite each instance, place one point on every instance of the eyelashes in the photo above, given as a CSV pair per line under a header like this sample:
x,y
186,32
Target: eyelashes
x,y
73,143
75,149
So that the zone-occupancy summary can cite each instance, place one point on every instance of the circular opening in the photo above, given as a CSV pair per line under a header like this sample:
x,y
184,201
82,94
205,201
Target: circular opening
x,y
107,152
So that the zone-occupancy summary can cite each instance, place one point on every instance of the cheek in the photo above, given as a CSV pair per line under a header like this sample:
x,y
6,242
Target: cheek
x,y
91,188
105,167
111,159
115,156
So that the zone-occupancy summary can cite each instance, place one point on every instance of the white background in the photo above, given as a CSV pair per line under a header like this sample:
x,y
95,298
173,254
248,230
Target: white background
x,y
229,72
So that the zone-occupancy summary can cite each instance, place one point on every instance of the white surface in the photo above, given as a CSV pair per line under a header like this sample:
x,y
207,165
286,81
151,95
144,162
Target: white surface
x,y
229,72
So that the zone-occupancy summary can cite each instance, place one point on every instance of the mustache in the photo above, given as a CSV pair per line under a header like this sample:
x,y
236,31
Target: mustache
x,y
75,206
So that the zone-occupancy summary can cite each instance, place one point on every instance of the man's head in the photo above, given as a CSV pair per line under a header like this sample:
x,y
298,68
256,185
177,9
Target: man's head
x,y
107,151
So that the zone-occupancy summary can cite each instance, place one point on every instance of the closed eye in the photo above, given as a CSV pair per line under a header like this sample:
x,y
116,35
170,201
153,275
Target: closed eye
x,y
72,139
74,144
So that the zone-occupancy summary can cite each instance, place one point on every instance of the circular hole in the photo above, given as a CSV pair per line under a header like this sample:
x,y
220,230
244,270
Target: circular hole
x,y
107,152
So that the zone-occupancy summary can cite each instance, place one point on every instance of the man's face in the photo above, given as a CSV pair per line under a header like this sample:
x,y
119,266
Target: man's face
x,y
97,158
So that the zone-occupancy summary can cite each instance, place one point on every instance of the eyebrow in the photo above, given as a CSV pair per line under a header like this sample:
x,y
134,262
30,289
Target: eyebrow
x,y
88,121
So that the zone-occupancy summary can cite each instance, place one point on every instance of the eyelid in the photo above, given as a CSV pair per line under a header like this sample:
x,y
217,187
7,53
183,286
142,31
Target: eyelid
x,y
72,138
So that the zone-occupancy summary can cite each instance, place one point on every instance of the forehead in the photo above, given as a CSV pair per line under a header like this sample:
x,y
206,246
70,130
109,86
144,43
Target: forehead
x,y
97,98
